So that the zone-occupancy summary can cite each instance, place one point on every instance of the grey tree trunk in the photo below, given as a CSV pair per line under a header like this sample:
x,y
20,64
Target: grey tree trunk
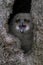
x,y
37,14
7,41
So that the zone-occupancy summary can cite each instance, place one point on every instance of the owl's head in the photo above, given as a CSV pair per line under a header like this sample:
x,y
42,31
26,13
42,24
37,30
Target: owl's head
x,y
22,22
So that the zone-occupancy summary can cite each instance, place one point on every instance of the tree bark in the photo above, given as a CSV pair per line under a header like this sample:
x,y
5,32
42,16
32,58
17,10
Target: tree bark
x,y
37,15
36,57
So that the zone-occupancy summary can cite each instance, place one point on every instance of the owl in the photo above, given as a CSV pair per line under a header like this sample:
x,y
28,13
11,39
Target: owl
x,y
21,26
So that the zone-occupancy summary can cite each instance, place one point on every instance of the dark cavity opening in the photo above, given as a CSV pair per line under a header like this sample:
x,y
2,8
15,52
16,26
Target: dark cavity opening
x,y
20,6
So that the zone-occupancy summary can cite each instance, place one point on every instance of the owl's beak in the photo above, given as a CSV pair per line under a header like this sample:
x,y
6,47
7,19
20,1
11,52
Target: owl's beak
x,y
22,28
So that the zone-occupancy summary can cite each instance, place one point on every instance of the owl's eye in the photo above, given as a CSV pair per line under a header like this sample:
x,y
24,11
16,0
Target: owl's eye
x,y
27,21
17,21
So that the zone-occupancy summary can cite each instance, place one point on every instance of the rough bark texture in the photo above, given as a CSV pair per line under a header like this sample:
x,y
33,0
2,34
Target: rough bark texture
x,y
10,52
37,14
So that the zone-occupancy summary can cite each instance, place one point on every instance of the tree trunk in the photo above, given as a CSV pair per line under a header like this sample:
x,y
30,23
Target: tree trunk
x,y
37,16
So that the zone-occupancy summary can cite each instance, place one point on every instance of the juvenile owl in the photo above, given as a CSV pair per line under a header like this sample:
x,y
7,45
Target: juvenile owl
x,y
22,27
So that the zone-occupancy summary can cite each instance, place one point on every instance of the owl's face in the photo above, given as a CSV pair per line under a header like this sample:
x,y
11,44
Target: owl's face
x,y
22,22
